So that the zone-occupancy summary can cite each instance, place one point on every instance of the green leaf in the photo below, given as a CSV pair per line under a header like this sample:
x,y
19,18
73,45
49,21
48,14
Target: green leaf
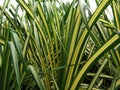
x,y
6,2
37,78
109,44
18,46
98,12
97,74
15,62
83,7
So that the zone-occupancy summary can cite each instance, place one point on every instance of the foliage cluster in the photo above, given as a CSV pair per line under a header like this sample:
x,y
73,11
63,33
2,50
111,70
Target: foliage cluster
x,y
65,47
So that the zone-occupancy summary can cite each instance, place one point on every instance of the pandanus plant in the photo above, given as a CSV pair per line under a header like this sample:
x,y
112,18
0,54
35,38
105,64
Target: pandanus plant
x,y
49,45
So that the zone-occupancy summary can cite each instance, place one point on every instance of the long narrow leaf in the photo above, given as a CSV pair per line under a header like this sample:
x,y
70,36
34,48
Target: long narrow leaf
x,y
15,62
37,78
94,59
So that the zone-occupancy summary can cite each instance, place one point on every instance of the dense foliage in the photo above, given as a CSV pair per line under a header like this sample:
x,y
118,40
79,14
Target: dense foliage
x,y
49,45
